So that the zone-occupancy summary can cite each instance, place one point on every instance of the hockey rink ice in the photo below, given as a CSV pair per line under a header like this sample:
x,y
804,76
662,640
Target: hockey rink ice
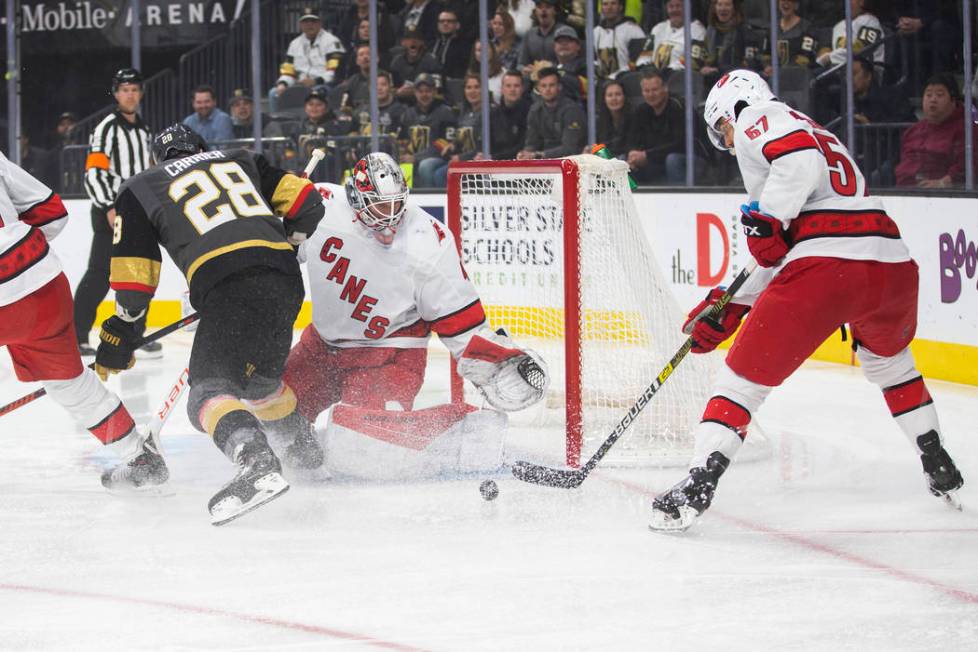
x,y
830,543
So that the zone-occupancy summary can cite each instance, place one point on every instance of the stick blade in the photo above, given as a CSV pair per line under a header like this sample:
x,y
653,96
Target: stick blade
x,y
542,475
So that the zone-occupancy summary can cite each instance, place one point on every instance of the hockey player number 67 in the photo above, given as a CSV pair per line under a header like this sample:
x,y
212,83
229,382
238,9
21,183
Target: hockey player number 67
x,y
222,181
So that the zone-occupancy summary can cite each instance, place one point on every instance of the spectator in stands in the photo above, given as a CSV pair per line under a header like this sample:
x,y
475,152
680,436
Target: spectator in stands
x,y
428,125
508,118
421,16
413,61
875,103
242,109
349,26
319,120
866,31
729,44
615,120
611,38
503,34
521,12
64,133
210,123
570,63
555,126
495,69
466,144
315,55
657,137
390,112
355,89
665,47
538,43
932,152
450,50
467,12
931,24
797,44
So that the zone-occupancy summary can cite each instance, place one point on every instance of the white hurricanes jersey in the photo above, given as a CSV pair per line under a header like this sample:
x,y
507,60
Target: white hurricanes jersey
x,y
368,294
801,174
30,214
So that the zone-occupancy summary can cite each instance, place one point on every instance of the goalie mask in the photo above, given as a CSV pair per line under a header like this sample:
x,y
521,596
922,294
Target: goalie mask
x,y
378,194
728,97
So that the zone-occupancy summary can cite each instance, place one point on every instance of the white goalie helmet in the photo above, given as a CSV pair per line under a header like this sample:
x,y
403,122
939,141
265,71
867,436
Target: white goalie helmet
x,y
377,192
722,103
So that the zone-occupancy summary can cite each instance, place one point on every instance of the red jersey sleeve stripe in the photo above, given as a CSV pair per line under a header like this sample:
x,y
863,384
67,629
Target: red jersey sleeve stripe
x,y
796,141
44,212
460,321
299,201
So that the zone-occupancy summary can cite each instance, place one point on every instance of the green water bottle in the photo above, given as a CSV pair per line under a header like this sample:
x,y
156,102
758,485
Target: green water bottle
x,y
601,150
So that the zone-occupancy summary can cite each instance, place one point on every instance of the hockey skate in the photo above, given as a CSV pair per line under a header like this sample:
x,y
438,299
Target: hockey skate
x,y
143,471
943,478
258,481
676,509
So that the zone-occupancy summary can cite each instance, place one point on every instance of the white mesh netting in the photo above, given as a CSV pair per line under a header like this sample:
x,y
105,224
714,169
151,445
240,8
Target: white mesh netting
x,y
511,228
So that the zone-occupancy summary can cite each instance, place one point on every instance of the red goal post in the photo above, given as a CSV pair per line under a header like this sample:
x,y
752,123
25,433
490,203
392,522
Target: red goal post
x,y
570,174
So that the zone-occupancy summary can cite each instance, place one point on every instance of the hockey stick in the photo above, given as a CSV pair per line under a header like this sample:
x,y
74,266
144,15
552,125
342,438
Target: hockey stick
x,y
166,330
572,478
166,407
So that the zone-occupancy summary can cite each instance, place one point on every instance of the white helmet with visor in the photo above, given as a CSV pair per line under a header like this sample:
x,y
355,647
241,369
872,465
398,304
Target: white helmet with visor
x,y
723,102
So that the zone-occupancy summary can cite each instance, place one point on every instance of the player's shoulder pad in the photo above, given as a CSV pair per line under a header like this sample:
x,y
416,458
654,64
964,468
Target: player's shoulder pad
x,y
768,130
425,236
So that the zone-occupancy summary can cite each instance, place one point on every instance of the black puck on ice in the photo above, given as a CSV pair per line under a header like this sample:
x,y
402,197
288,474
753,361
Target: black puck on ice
x,y
489,490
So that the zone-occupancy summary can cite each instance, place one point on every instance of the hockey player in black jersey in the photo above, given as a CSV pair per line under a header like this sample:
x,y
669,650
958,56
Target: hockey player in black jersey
x,y
215,213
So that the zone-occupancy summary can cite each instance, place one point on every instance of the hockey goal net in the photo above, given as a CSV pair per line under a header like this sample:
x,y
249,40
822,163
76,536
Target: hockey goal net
x,y
561,261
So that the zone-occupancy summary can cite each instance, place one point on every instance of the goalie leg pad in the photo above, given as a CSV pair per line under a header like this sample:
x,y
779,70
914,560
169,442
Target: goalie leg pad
x,y
387,445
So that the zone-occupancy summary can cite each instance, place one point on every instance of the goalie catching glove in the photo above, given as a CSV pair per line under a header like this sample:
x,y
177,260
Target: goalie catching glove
x,y
710,332
118,339
510,378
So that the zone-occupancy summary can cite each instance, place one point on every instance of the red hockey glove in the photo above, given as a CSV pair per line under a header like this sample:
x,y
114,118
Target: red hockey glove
x,y
708,333
766,237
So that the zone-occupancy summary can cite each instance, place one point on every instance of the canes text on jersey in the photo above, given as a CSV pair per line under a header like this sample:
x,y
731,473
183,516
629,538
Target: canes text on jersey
x,y
353,289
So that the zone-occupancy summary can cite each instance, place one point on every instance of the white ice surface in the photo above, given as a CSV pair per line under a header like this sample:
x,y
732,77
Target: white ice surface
x,y
832,543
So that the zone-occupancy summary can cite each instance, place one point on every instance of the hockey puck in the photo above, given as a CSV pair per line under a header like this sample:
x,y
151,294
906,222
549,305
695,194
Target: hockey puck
x,y
489,490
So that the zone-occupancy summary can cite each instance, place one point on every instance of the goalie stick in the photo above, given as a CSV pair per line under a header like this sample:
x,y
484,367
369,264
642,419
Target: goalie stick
x,y
166,330
572,478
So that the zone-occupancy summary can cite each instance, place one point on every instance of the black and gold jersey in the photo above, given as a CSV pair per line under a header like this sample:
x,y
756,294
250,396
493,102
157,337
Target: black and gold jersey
x,y
215,213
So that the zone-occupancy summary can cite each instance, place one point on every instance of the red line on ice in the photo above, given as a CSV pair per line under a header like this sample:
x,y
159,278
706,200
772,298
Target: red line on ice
x,y
210,611
804,542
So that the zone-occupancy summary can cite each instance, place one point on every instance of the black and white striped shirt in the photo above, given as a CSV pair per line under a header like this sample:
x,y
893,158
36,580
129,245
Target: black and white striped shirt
x,y
119,150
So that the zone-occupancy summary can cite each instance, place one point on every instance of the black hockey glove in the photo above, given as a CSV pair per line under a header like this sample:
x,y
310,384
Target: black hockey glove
x,y
117,341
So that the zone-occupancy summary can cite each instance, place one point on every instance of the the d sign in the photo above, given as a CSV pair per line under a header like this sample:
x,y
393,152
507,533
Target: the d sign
x,y
704,276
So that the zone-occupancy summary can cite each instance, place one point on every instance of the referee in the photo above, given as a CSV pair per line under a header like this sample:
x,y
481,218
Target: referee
x,y
119,149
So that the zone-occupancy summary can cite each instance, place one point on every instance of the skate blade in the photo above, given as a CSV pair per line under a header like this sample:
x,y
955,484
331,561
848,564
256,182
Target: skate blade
x,y
951,500
269,488
662,522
